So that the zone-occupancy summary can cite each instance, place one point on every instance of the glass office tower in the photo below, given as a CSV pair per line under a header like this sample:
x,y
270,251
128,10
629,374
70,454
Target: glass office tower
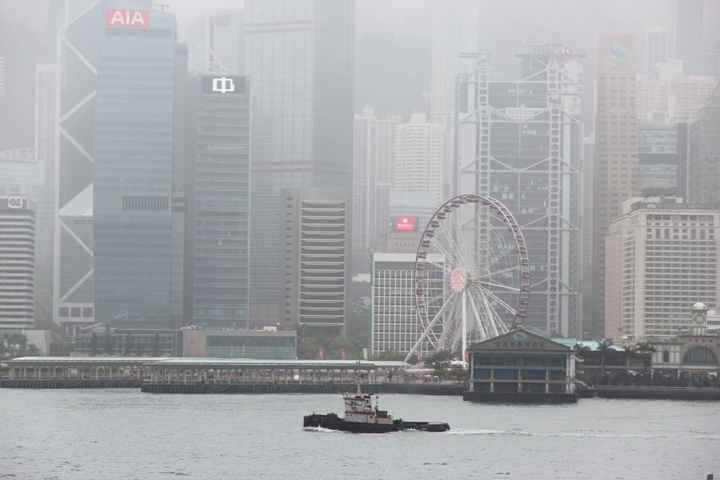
x,y
221,200
300,56
133,167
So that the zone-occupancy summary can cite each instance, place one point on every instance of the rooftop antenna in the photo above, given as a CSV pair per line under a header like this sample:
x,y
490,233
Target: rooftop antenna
x,y
162,6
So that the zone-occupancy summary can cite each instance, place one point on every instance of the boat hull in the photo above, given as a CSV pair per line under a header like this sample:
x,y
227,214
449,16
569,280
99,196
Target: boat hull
x,y
332,422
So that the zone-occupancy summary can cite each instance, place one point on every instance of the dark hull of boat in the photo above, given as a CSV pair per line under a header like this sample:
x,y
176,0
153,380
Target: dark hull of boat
x,y
333,422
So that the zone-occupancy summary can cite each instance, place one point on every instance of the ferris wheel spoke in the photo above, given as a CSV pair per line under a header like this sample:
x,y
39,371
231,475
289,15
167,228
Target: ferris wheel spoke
x,y
449,321
495,273
500,285
490,314
454,251
499,300
478,320
448,257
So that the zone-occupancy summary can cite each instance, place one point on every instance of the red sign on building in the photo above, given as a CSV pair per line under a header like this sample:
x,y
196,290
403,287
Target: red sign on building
x,y
405,223
127,18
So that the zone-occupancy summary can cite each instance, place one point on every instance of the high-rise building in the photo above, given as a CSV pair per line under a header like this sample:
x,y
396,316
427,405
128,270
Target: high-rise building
x,y
703,171
588,201
370,197
77,70
686,95
385,148
653,49
662,256
220,119
419,158
454,31
17,262
45,81
300,56
616,161
224,48
395,322
663,159
520,141
2,76
314,270
135,161
686,34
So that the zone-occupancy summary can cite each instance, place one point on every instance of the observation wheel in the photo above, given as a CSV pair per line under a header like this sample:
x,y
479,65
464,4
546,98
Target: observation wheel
x,y
472,274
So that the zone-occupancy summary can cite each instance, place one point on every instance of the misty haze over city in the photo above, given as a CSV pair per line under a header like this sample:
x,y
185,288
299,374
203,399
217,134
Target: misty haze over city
x,y
460,206
251,166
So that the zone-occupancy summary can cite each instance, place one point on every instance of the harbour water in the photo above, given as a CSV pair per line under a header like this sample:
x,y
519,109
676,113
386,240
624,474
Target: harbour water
x,y
125,434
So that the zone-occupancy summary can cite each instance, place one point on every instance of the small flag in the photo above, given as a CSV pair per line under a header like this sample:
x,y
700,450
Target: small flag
x,y
418,355
320,353
364,353
342,353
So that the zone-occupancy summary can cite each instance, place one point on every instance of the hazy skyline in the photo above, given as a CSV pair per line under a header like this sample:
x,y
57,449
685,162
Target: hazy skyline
x,y
504,25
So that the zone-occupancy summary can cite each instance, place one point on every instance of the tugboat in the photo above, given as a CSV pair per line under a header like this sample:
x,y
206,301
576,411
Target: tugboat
x,y
362,415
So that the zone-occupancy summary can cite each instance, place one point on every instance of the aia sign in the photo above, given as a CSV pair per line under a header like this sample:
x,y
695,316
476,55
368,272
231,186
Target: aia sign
x,y
127,18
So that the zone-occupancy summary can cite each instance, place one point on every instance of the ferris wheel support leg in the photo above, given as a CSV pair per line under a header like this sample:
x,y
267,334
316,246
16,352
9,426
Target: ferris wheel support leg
x,y
449,324
429,327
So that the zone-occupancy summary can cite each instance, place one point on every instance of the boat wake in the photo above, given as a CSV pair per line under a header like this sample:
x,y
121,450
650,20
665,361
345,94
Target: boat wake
x,y
504,433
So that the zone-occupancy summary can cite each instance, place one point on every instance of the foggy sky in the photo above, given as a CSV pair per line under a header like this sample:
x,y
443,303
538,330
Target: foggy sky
x,y
504,25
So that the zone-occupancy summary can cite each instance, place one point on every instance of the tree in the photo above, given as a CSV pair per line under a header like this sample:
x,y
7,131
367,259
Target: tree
x,y
629,350
138,348
646,348
604,347
390,356
109,350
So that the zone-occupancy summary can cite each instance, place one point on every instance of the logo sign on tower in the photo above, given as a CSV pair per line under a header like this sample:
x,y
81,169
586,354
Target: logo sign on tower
x,y
15,202
405,223
127,18
223,85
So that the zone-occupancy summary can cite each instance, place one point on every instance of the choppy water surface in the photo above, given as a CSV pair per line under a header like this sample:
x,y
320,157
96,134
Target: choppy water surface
x,y
108,434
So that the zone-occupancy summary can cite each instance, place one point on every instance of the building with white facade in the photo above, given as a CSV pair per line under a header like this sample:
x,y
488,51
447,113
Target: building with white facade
x,y
660,255
395,322
17,262
419,158
370,196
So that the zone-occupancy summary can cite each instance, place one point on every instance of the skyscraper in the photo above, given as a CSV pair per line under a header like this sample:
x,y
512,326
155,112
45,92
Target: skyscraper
x,y
221,199
314,272
135,164
654,49
77,70
520,141
419,158
45,148
616,162
704,174
371,198
300,55
225,42
454,31
17,262
686,34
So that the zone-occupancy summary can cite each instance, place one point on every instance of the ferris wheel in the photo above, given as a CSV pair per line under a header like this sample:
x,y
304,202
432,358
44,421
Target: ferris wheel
x,y
472,274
